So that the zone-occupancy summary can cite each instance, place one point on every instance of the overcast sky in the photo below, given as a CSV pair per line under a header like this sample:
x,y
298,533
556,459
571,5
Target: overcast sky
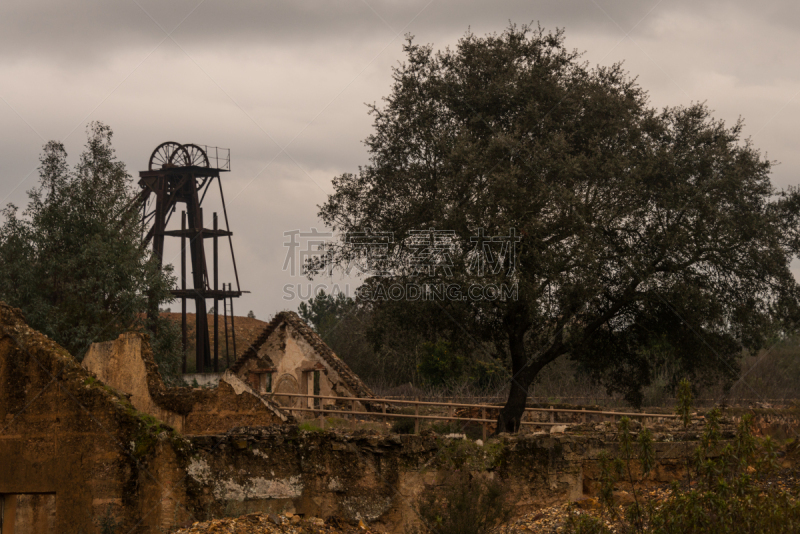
x,y
283,84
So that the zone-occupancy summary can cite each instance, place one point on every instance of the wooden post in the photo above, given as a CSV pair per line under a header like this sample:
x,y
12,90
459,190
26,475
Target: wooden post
x,y
552,415
233,324
416,416
485,428
583,415
225,320
183,287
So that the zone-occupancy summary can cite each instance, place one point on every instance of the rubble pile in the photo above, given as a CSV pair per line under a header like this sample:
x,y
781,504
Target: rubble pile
x,y
285,523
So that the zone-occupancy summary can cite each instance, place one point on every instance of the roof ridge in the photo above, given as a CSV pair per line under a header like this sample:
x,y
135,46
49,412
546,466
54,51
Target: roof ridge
x,y
313,339
351,379
252,350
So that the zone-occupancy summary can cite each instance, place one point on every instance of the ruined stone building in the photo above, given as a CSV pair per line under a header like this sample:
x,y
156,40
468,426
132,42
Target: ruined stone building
x,y
107,443
72,448
289,357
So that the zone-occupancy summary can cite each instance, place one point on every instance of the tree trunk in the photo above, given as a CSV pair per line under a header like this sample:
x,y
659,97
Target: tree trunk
x,y
516,324
511,414
524,371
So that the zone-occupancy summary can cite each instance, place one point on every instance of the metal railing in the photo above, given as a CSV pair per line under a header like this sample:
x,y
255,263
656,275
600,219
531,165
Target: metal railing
x,y
319,408
218,158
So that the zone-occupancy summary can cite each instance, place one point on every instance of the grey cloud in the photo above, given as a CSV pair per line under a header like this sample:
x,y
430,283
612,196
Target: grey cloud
x,y
302,70
84,30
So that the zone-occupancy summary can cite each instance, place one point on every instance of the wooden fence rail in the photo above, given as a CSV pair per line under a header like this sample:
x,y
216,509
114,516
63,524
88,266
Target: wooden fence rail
x,y
319,407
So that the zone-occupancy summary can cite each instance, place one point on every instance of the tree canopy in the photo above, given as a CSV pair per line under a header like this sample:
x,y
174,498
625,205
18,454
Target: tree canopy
x,y
633,227
74,261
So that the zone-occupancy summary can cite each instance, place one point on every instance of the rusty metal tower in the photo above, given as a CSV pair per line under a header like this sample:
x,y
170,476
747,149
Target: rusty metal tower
x,y
184,174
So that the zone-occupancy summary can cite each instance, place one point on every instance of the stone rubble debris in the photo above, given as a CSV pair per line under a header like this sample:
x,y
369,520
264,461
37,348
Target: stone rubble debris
x,y
284,523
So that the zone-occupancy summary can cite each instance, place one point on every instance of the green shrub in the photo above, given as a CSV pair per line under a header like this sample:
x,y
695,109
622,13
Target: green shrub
x,y
439,365
403,425
725,491
468,505
487,375
446,427
728,497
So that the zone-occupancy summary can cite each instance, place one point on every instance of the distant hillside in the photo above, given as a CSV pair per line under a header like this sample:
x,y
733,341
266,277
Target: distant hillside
x,y
247,331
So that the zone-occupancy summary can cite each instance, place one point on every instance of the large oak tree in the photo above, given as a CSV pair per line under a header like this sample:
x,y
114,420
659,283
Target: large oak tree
x,y
638,227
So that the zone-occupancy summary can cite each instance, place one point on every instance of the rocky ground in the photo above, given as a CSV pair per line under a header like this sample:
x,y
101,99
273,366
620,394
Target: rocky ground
x,y
263,523
554,519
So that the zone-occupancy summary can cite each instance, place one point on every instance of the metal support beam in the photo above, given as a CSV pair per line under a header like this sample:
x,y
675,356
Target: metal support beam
x,y
216,301
184,174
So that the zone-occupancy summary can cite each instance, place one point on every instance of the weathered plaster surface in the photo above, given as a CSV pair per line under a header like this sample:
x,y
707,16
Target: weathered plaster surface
x,y
119,364
126,365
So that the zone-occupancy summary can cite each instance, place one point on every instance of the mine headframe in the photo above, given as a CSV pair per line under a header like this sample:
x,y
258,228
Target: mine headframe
x,y
184,174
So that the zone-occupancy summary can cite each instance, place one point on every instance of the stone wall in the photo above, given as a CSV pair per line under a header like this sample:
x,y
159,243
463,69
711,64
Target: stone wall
x,y
127,365
378,478
81,446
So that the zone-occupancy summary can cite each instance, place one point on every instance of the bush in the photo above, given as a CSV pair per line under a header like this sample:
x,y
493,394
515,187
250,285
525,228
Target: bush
x,y
447,427
469,505
726,490
488,375
403,426
439,365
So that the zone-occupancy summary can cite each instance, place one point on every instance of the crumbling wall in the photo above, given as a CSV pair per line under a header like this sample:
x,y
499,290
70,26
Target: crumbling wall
x,y
230,405
378,478
64,434
120,364
127,365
